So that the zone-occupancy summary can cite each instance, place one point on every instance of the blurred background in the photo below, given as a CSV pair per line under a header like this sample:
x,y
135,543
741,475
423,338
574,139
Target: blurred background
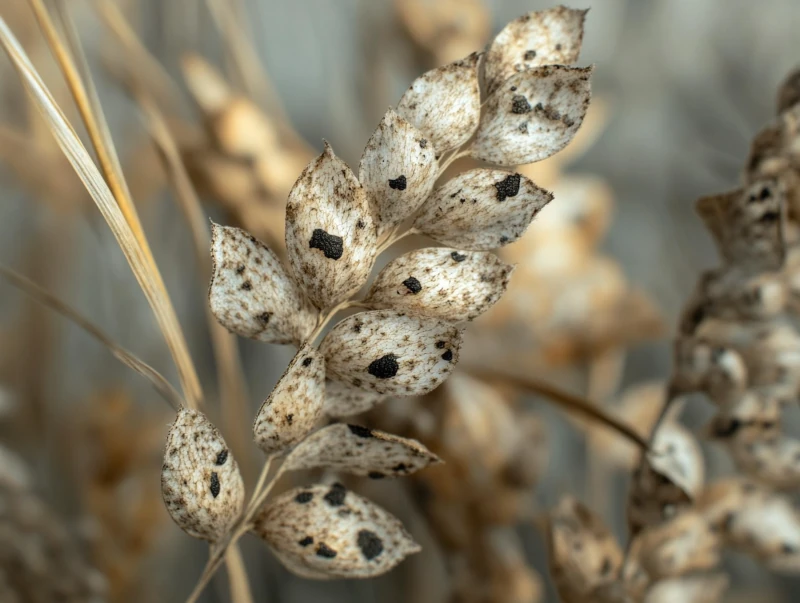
x,y
680,90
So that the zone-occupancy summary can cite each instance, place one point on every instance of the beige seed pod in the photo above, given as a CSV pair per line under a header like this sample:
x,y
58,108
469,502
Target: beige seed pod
x,y
295,405
773,461
533,115
343,400
392,352
721,498
445,103
750,417
481,209
250,293
773,360
330,234
695,588
398,170
200,480
327,530
718,371
360,451
545,37
441,282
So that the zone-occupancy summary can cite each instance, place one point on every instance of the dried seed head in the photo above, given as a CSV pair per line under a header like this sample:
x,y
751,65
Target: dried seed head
x,y
251,294
533,115
720,372
392,352
295,405
343,400
694,588
330,234
328,531
482,209
398,170
683,545
445,103
747,418
441,282
546,37
360,451
772,461
789,92
200,480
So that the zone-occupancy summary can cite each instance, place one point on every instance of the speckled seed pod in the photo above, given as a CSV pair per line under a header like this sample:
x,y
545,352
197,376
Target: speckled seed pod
x,y
295,405
328,531
330,235
773,461
718,371
441,282
398,170
392,352
445,103
681,546
200,480
360,451
695,588
343,400
750,417
251,294
533,115
481,209
545,37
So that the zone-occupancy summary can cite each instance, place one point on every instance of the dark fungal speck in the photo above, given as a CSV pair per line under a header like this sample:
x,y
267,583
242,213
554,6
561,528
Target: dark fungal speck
x,y
303,497
375,475
264,317
371,546
247,285
769,217
503,240
399,183
222,457
413,285
336,495
361,432
240,269
306,541
513,88
360,224
458,257
214,484
399,468
331,245
384,367
323,550
307,361
530,55
289,418
448,355
520,105
440,345
423,143
558,46
508,187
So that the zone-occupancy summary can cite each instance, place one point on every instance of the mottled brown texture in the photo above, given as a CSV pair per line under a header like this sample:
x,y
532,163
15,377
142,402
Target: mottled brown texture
x,y
344,400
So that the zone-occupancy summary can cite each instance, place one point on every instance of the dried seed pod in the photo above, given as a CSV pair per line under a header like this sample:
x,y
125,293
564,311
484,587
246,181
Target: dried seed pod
x,y
481,209
330,234
773,360
721,498
445,103
789,92
392,352
583,553
200,480
398,170
441,282
326,530
750,417
683,545
748,225
295,405
718,371
360,451
545,37
343,400
772,461
694,588
533,115
251,294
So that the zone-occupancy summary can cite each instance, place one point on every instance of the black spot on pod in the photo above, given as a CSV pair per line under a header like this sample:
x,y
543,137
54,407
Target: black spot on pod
x,y
247,285
336,495
458,257
530,55
399,467
508,187
520,105
399,183
448,355
360,224
375,475
423,143
331,245
412,285
323,550
371,546
440,345
722,430
306,541
307,361
303,497
264,317
361,432
222,457
768,217
214,484
385,367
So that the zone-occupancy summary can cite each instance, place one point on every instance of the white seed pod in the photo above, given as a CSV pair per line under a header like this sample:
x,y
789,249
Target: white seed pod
x,y
295,405
683,545
398,170
330,234
481,209
533,115
392,352
329,531
445,103
546,37
200,480
343,400
360,451
694,588
441,282
251,294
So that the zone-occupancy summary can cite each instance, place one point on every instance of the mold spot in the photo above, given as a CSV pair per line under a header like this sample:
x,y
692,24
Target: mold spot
x,y
423,144
530,55
360,224
458,257
448,355
303,497
263,318
240,269
222,457
413,285
323,550
371,546
289,418
399,183
336,495
440,345
306,541
247,285
384,367
214,484
520,105
508,187
331,245
361,432
308,361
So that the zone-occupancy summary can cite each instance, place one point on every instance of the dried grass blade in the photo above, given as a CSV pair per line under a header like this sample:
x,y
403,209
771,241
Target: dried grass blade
x,y
127,358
